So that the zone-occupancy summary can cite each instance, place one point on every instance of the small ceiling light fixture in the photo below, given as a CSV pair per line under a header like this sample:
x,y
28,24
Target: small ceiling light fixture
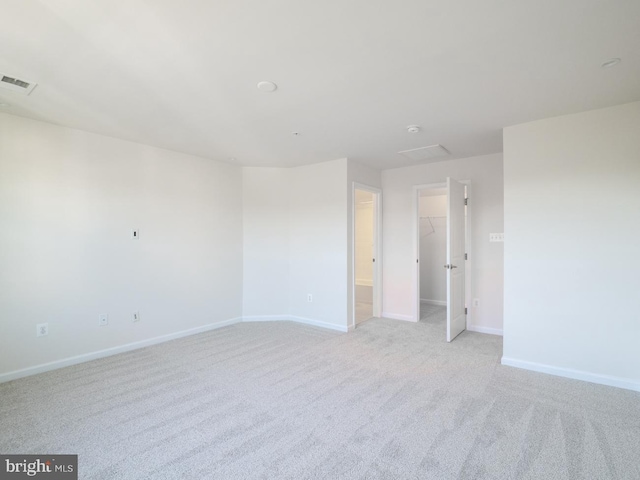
x,y
413,129
295,134
267,87
611,63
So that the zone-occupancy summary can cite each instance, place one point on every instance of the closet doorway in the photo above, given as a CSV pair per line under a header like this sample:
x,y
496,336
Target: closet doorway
x,y
366,247
442,274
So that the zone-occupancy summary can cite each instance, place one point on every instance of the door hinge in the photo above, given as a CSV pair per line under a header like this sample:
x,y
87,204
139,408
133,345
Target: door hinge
x,y
466,257
465,310
466,201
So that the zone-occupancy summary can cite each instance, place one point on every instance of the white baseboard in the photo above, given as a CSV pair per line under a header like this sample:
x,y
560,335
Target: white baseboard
x,y
611,381
318,323
398,316
438,303
107,352
481,329
267,318
293,318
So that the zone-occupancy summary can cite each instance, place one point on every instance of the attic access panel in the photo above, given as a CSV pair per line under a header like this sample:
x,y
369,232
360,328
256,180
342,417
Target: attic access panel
x,y
425,153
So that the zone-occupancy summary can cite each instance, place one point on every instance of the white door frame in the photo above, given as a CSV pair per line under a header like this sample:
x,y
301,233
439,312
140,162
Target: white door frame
x,y
416,247
377,249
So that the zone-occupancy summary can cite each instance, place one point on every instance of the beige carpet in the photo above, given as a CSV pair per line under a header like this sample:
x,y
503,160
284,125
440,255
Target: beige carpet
x,y
391,400
363,303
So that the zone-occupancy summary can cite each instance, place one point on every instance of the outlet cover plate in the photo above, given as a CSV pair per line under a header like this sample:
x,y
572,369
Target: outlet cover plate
x,y
42,329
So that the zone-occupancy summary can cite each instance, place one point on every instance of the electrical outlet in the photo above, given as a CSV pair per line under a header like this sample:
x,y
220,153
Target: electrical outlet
x,y
103,320
42,329
309,298
476,302
135,317
496,237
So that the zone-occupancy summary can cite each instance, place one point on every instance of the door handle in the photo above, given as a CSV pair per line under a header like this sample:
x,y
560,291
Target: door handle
x,y
450,267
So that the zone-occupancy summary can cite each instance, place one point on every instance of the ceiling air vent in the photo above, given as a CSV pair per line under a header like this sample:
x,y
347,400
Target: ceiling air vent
x,y
16,85
425,153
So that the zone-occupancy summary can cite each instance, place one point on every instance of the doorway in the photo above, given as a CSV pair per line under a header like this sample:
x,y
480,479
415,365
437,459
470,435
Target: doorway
x,y
366,247
433,255
442,273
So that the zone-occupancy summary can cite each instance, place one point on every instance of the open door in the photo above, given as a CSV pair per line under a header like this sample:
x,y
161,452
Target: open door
x,y
456,316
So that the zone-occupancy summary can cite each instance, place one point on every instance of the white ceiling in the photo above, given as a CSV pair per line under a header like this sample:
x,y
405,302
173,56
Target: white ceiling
x,y
351,74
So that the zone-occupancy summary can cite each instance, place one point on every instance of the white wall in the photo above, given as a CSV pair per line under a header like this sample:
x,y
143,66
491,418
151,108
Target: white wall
x,y
266,249
433,248
68,202
486,202
297,235
295,231
318,242
572,223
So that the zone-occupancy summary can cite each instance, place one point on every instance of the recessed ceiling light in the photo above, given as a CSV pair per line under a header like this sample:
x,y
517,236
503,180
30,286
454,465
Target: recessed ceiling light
x,y
611,63
413,129
267,87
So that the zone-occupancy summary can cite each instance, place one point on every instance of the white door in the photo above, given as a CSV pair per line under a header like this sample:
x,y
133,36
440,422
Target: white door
x,y
456,316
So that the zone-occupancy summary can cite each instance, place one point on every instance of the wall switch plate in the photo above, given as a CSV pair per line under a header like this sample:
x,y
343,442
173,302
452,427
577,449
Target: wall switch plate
x,y
103,320
496,237
135,317
476,302
135,233
309,298
42,329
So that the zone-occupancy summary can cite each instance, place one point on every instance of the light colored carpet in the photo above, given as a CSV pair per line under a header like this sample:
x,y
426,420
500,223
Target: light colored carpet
x,y
364,303
364,312
434,315
392,400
